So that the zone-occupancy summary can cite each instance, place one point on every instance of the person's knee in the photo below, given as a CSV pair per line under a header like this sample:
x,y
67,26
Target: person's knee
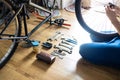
x,y
86,51
101,54
93,52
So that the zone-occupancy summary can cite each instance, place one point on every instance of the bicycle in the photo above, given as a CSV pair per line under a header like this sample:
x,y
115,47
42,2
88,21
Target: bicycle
x,y
11,26
94,19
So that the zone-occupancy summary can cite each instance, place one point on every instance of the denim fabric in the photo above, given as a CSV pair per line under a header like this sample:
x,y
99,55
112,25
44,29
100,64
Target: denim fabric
x,y
105,53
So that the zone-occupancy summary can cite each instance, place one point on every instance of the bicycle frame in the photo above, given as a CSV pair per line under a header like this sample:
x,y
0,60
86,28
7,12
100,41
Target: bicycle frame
x,y
27,34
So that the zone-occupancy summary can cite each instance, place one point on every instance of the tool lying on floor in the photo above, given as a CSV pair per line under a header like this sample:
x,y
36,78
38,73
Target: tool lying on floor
x,y
73,41
55,36
47,45
63,49
58,53
68,43
58,22
66,46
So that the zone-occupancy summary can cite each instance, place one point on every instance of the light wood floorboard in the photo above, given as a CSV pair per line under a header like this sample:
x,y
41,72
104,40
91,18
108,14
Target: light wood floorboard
x,y
24,65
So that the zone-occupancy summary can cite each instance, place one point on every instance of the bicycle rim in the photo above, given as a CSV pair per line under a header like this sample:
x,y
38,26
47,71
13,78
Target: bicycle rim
x,y
94,19
8,46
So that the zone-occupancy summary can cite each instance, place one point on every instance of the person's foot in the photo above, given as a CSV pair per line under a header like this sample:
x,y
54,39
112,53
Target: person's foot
x,y
86,7
86,4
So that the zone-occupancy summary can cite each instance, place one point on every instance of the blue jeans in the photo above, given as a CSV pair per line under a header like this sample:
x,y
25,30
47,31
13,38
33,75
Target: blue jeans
x,y
105,53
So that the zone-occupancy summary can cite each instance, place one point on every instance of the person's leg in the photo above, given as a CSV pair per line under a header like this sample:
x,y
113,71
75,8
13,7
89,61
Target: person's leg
x,y
107,54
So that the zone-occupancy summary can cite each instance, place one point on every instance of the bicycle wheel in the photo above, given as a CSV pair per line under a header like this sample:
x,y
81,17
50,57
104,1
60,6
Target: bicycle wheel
x,y
94,19
7,31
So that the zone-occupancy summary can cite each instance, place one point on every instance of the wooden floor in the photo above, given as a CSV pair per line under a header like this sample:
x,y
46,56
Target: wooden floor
x,y
24,65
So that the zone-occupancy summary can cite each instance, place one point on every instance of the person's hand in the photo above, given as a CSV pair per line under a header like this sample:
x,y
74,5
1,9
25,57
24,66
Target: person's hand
x,y
111,13
117,10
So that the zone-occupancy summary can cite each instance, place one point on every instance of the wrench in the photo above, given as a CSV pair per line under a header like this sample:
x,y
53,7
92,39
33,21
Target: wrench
x,y
65,45
55,54
63,49
54,36
68,43
58,53
57,37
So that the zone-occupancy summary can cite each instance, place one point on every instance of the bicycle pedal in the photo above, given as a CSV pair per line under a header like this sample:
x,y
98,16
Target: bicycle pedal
x,y
26,45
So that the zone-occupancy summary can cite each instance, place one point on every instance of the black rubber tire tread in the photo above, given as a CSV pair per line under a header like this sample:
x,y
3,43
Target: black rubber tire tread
x,y
10,54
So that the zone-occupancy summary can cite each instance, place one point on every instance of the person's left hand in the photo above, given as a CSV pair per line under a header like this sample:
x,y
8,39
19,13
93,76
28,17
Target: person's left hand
x,y
111,13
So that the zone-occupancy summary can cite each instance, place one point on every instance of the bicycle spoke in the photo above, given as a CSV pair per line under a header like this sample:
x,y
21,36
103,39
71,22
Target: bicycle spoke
x,y
94,20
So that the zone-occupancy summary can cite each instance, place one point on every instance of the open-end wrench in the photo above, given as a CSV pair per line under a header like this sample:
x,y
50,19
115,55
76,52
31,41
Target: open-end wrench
x,y
63,49
65,45
57,37
54,36
55,54
58,53
68,43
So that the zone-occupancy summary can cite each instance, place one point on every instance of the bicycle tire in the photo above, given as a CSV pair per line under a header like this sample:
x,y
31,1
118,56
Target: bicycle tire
x,y
9,46
2,10
84,24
